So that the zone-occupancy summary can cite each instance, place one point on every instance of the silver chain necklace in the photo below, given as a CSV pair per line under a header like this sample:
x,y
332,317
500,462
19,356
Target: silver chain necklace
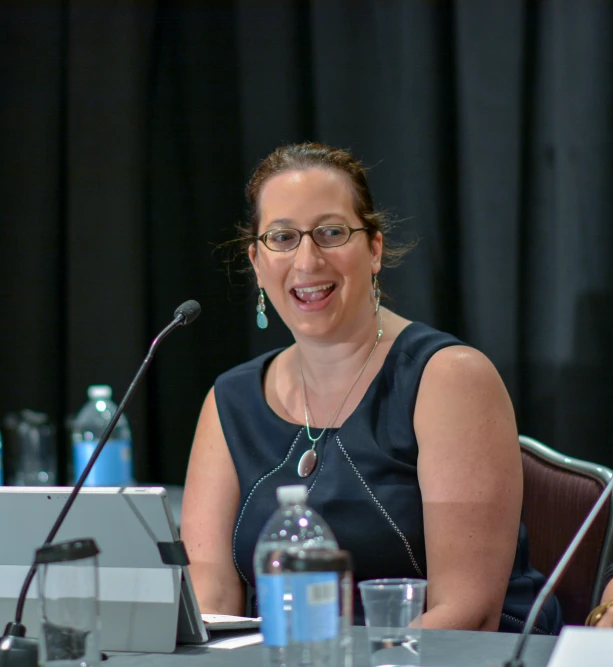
x,y
308,460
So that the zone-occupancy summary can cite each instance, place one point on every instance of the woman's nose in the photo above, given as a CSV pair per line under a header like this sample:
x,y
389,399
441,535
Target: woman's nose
x,y
308,256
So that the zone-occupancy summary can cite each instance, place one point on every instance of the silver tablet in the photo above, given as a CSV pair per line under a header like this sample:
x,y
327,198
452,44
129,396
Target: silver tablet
x,y
147,602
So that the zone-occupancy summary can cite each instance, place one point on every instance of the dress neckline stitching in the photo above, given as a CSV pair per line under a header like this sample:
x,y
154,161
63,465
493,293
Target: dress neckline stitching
x,y
253,489
380,507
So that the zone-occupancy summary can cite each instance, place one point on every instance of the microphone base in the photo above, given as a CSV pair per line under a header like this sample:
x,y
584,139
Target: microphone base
x,y
16,650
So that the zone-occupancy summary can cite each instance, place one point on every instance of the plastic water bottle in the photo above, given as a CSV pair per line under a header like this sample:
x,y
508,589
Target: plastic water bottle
x,y
114,465
281,595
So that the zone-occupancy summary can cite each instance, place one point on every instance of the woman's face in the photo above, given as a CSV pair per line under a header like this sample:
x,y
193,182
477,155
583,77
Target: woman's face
x,y
316,291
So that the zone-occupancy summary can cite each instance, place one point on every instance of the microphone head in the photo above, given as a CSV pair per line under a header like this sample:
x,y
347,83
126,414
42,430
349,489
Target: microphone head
x,y
189,311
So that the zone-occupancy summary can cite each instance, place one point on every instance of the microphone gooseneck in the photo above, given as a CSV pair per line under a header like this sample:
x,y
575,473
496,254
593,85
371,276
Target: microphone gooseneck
x,y
554,577
185,314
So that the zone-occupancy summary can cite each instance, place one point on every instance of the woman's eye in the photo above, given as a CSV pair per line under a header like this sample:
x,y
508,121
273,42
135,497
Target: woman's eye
x,y
281,237
332,231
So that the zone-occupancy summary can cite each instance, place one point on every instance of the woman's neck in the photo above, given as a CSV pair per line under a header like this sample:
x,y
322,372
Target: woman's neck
x,y
332,367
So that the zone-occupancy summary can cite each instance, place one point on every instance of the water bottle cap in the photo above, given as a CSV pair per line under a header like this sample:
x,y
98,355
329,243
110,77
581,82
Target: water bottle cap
x,y
99,391
294,494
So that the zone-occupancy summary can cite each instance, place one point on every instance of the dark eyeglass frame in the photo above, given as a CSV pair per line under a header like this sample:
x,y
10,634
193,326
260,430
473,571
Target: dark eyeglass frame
x,y
352,231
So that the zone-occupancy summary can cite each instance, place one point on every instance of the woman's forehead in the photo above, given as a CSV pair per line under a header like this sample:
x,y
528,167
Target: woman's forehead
x,y
295,193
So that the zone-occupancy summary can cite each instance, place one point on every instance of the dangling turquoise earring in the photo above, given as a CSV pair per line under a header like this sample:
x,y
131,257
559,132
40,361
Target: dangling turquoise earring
x,y
261,319
377,292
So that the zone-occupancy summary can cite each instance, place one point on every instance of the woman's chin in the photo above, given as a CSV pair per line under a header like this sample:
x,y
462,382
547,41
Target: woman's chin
x,y
320,325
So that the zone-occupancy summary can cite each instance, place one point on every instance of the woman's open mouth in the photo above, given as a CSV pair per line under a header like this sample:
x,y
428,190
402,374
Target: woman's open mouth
x,y
313,298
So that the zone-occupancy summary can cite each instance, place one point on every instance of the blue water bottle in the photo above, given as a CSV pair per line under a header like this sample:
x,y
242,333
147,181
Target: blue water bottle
x,y
114,465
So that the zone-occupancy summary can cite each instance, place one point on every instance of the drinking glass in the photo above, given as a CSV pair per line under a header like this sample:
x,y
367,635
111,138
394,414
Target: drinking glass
x,y
68,603
393,609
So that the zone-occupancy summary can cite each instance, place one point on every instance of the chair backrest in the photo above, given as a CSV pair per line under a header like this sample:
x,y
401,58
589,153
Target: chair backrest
x,y
559,492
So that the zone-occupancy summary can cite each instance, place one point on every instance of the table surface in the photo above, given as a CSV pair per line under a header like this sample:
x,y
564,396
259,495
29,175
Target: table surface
x,y
440,648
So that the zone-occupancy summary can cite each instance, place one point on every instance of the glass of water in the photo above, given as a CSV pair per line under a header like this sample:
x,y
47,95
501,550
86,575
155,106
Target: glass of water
x,y
393,609
68,603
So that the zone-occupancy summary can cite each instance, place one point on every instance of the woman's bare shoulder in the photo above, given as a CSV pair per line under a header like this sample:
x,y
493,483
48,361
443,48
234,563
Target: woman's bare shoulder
x,y
461,365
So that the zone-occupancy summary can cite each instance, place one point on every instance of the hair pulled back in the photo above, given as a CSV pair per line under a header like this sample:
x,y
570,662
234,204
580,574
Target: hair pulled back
x,y
301,157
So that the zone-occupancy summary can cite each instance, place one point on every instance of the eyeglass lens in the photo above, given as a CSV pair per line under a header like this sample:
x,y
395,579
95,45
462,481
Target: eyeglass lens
x,y
326,236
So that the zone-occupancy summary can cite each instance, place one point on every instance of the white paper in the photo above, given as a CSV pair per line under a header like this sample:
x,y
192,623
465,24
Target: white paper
x,y
237,642
227,618
582,647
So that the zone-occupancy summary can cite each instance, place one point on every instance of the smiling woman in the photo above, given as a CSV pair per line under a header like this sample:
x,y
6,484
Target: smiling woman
x,y
332,281
405,436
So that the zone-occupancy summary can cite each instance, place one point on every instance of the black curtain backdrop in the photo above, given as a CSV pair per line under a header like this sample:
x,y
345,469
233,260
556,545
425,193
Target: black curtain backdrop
x,y
128,131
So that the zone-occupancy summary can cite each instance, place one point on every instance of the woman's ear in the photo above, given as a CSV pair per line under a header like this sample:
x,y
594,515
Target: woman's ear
x,y
253,258
376,250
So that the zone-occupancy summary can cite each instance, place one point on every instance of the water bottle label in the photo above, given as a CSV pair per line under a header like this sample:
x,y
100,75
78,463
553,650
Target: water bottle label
x,y
270,591
315,606
113,467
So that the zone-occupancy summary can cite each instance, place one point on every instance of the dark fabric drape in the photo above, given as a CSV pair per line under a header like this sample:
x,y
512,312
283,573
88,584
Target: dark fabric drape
x,y
128,131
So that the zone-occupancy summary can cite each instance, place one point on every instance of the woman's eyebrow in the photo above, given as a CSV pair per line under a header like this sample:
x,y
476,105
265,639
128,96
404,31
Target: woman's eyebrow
x,y
320,219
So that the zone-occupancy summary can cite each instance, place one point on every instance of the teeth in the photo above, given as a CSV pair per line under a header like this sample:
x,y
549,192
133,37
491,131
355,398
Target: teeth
x,y
314,289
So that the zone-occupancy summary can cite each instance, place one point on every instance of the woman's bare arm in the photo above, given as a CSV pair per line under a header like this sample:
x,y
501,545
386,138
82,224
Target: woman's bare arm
x,y
210,503
470,475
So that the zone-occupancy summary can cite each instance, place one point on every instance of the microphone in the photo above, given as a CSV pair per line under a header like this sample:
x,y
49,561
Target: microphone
x,y
17,650
189,311
554,577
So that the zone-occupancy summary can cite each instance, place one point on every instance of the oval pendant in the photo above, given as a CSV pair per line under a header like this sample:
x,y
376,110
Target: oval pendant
x,y
307,463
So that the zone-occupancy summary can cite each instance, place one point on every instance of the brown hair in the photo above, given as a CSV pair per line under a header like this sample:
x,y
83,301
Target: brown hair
x,y
305,156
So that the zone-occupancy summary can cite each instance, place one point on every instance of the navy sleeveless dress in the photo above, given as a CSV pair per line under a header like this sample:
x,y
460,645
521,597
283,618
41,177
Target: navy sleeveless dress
x,y
365,484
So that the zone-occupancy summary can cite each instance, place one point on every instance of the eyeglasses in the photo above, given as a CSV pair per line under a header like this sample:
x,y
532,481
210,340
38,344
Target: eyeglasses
x,y
325,236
